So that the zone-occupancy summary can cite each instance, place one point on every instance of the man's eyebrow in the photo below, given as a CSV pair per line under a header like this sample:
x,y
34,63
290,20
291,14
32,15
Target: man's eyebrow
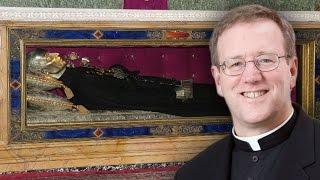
x,y
236,57
258,53
265,52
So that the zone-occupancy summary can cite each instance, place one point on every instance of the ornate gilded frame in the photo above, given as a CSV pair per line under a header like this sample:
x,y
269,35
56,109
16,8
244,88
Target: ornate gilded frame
x,y
94,152
112,123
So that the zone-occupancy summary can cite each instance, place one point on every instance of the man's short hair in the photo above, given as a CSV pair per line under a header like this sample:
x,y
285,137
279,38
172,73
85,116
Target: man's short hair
x,y
247,14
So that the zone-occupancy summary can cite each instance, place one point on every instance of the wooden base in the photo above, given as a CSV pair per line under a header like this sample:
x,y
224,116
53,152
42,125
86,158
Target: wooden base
x,y
22,157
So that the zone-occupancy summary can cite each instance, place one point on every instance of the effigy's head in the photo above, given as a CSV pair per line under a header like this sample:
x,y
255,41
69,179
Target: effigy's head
x,y
39,61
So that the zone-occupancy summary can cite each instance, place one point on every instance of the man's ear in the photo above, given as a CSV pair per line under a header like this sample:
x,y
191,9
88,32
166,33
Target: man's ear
x,y
293,71
216,76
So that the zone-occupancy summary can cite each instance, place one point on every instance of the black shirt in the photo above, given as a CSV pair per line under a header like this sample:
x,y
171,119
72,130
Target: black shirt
x,y
251,165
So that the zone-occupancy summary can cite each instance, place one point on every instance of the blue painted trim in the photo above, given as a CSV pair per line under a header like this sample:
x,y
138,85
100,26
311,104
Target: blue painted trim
x,y
89,133
69,34
15,99
217,128
15,69
125,35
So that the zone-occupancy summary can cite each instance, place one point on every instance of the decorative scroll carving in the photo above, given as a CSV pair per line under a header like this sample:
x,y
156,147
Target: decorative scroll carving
x,y
176,130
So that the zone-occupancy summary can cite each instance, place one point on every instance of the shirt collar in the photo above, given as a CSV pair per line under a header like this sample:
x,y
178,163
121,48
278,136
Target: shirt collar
x,y
255,142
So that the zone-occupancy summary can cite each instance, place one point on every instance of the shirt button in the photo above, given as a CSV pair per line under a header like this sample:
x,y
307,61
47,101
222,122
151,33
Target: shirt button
x,y
255,158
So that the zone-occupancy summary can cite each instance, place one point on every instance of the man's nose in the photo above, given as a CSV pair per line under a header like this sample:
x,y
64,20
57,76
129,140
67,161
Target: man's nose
x,y
251,73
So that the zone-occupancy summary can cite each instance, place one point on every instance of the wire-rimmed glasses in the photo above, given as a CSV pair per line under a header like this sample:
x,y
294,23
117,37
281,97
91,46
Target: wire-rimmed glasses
x,y
263,62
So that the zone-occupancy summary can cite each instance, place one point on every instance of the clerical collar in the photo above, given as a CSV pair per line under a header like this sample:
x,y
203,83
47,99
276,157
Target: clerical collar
x,y
268,139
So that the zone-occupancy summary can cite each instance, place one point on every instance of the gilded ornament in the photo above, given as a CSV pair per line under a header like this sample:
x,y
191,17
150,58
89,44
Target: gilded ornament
x,y
73,56
46,82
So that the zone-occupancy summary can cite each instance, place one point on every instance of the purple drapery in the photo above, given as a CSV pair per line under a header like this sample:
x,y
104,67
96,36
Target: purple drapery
x,y
145,4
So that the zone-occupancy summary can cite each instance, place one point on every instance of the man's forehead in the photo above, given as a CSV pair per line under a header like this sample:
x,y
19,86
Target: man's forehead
x,y
262,35
250,24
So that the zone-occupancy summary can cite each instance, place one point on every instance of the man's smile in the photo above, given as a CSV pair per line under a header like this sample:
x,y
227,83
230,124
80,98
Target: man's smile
x,y
254,94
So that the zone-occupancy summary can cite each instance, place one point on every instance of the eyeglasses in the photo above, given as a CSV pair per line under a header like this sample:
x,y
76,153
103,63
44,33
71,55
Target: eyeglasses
x,y
263,62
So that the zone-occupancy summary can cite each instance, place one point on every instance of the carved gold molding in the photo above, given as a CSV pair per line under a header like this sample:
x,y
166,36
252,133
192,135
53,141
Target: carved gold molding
x,y
307,70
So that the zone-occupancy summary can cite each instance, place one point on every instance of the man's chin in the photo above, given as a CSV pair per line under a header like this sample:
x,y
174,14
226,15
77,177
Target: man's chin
x,y
254,118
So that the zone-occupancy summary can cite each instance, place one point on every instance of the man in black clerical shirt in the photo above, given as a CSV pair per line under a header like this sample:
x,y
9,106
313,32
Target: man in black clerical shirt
x,y
254,65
